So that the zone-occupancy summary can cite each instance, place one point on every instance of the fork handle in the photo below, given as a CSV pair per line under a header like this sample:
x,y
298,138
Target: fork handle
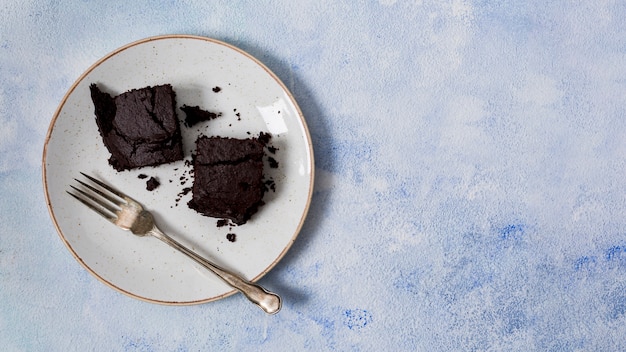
x,y
268,301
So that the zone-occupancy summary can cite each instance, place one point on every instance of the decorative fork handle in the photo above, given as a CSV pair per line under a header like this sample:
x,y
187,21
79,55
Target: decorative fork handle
x,y
268,301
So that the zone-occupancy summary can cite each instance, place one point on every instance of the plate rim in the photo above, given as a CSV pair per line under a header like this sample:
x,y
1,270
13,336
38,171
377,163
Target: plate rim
x,y
91,68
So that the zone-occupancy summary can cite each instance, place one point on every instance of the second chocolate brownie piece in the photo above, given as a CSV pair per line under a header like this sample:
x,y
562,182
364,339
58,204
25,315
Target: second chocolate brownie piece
x,y
228,178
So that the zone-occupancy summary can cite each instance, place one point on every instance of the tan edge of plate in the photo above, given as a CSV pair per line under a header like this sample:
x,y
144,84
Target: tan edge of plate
x,y
142,41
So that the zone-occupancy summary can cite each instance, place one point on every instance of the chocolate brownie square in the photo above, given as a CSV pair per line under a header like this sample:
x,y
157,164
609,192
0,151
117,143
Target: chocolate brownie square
x,y
228,178
139,127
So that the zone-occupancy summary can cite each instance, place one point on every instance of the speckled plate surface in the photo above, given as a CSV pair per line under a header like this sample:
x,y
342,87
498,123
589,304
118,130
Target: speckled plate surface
x,y
251,99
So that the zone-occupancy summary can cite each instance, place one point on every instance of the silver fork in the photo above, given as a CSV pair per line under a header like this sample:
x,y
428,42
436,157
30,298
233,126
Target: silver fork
x,y
128,214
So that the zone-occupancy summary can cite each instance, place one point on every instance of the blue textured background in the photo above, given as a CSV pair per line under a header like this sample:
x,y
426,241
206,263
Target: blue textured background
x,y
470,177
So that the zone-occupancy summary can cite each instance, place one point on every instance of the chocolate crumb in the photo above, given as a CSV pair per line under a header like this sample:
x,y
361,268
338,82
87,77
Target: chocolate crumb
x,y
264,138
222,222
152,184
231,237
182,193
273,162
272,149
217,89
194,115
270,185
142,176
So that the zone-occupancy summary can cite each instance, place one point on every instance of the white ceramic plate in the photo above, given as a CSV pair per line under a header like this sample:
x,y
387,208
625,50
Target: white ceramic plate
x,y
252,100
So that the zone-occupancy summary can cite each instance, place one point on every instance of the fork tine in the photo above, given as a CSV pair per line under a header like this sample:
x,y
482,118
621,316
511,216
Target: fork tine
x,y
105,186
94,208
100,193
99,201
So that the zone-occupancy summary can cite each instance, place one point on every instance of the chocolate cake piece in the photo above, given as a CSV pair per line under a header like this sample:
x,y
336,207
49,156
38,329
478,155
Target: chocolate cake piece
x,y
139,127
228,178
